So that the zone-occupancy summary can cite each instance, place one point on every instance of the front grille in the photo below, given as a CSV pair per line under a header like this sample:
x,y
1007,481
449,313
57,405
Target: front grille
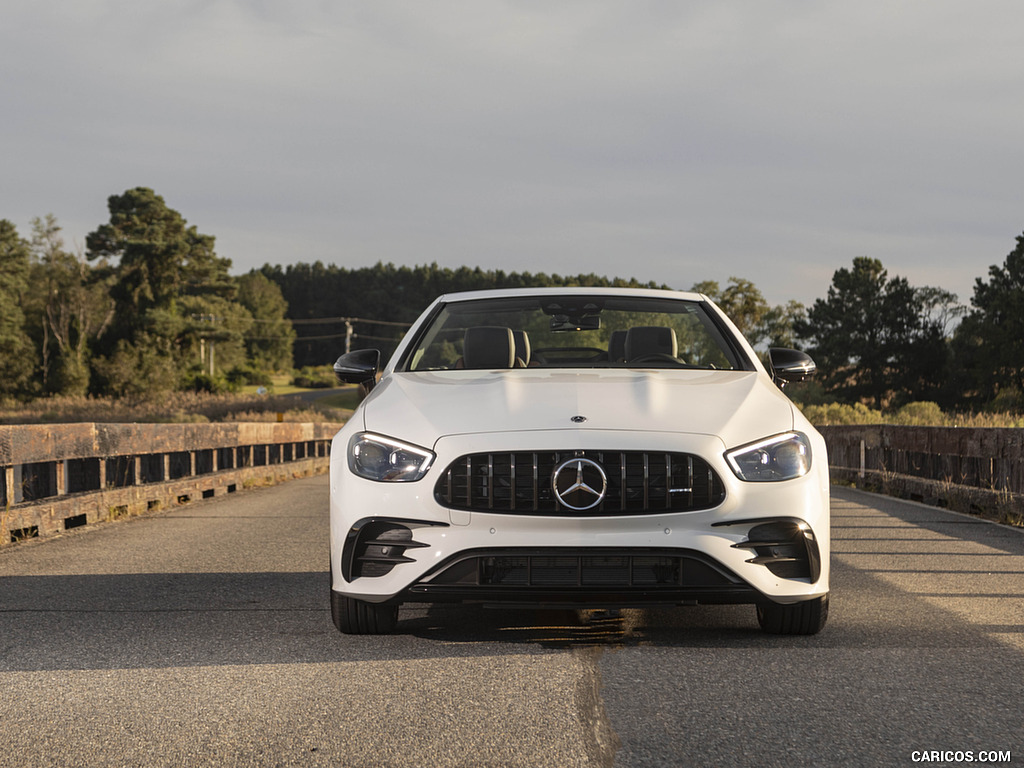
x,y
637,483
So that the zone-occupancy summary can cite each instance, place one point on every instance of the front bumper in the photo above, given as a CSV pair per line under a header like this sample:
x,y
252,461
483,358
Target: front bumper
x,y
764,542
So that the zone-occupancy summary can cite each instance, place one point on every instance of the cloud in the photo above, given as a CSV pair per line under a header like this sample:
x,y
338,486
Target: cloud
x,y
669,141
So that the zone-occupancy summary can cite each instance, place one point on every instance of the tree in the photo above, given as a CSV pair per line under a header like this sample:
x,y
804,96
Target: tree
x,y
16,350
69,306
874,338
269,343
745,305
989,343
741,301
211,333
160,261
778,325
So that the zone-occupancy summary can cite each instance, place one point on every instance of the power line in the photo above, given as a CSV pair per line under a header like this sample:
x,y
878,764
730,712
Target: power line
x,y
322,320
320,338
348,335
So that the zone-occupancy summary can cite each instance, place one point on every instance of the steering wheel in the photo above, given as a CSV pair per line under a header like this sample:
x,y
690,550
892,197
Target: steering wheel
x,y
656,357
556,350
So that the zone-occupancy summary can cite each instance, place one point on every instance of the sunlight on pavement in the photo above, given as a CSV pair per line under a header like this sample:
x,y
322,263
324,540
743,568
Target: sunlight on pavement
x,y
979,583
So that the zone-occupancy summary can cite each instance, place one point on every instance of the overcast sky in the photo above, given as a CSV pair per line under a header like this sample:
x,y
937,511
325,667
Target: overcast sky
x,y
663,140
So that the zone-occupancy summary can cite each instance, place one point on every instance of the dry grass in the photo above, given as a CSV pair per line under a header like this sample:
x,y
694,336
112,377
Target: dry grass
x,y
177,408
913,415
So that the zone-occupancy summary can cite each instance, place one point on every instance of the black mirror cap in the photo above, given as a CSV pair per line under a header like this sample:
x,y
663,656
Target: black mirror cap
x,y
790,365
359,367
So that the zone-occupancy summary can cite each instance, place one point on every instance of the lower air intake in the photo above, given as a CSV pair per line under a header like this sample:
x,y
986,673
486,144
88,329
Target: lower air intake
x,y
374,547
569,571
787,548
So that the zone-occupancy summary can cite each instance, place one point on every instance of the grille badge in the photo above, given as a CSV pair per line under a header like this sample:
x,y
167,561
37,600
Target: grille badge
x,y
579,484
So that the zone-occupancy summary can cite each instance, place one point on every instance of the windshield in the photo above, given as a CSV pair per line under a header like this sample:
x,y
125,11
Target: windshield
x,y
574,331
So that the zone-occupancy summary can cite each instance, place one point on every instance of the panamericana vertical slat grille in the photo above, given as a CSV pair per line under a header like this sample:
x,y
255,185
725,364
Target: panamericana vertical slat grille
x,y
638,483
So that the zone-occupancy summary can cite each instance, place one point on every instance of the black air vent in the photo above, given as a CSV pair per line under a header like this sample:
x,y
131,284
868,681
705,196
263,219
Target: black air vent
x,y
375,547
787,548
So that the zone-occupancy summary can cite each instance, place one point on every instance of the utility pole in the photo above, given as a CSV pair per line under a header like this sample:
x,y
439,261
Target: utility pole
x,y
212,320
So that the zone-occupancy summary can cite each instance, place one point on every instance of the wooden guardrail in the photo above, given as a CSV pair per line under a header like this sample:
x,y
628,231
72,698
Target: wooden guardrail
x,y
972,469
57,477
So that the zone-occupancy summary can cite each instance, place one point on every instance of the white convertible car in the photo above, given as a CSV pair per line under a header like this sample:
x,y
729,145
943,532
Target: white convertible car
x,y
578,447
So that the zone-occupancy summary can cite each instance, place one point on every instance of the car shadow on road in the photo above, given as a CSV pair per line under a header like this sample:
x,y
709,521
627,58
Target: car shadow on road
x,y
866,612
211,619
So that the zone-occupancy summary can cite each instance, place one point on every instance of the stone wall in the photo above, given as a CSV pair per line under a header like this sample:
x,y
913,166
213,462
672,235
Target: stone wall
x,y
59,477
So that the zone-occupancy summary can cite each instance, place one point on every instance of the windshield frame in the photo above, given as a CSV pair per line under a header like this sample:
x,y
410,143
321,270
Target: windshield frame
x,y
709,319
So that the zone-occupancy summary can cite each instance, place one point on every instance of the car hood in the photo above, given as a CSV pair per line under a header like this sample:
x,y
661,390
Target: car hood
x,y
737,406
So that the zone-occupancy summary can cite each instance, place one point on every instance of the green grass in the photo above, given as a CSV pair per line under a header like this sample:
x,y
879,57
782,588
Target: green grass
x,y
252,390
347,399
281,384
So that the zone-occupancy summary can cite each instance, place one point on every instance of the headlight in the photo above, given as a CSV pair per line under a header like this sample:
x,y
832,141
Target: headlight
x,y
386,460
782,457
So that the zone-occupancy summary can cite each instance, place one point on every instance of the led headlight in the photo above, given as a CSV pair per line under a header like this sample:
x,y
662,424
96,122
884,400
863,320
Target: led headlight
x,y
385,460
782,457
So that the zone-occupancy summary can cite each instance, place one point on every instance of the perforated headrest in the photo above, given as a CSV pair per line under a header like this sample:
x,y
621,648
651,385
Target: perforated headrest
x,y
488,347
650,340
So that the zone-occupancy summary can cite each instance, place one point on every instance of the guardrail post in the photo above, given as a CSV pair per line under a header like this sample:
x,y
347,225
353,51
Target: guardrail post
x,y
9,486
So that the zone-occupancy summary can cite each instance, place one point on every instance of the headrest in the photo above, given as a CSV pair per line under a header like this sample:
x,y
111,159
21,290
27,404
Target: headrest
x,y
488,347
617,346
522,344
650,340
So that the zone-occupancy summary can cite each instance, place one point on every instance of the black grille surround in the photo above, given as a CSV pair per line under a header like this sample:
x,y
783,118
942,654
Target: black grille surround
x,y
639,483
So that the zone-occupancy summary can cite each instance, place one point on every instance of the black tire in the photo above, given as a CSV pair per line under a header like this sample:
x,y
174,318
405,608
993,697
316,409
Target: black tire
x,y
805,618
357,617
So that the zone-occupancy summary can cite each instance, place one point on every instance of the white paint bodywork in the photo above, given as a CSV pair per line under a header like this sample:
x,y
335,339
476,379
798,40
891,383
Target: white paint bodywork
x,y
458,412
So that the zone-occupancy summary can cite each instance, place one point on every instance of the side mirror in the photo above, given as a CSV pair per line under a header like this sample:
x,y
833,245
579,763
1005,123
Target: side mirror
x,y
790,365
359,367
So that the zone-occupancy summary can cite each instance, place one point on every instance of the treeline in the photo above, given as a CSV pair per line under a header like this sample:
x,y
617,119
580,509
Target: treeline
x,y
322,299
149,307
877,339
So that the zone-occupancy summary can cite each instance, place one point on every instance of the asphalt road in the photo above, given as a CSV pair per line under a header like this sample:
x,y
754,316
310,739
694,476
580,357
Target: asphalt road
x,y
201,637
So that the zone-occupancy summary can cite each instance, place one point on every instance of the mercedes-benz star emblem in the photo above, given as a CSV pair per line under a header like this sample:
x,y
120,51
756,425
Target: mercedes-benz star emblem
x,y
580,484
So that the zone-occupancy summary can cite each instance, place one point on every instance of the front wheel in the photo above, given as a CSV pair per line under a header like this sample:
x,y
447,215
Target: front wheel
x,y
357,617
805,618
